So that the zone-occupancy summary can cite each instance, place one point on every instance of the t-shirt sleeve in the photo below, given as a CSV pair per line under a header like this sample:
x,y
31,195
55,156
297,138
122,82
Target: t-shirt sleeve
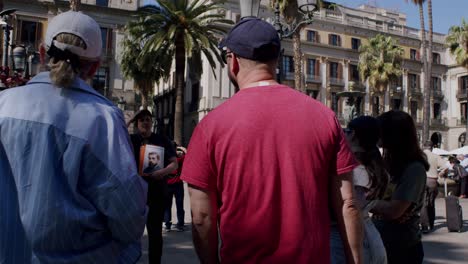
x,y
198,169
345,160
411,184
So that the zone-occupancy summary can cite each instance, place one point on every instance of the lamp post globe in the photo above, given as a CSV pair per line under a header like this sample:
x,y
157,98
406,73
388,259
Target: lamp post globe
x,y
307,6
19,58
249,8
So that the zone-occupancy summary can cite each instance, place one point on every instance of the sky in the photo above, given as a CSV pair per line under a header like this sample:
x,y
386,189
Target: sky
x,y
446,13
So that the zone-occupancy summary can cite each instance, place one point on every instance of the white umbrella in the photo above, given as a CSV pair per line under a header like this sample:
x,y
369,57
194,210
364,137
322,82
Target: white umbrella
x,y
439,151
463,150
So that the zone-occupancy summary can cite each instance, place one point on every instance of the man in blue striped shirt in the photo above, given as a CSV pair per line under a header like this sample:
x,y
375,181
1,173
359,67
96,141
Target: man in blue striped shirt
x,y
69,188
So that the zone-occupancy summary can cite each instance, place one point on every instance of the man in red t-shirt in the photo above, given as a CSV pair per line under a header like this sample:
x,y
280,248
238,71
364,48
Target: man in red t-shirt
x,y
270,166
175,189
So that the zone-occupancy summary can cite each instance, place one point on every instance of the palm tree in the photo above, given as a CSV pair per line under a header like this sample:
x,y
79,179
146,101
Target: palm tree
x,y
380,63
427,73
177,31
457,42
289,10
75,5
144,68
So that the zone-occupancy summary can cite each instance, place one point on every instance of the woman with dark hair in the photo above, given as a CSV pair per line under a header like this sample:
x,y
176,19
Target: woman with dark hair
x,y
397,216
370,181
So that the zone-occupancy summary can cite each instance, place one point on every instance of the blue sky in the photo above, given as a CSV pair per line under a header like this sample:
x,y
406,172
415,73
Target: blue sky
x,y
445,13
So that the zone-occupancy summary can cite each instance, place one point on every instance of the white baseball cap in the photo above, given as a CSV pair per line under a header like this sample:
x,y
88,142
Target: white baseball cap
x,y
78,24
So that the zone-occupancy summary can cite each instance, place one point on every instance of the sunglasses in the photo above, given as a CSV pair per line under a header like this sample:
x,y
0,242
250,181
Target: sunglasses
x,y
225,54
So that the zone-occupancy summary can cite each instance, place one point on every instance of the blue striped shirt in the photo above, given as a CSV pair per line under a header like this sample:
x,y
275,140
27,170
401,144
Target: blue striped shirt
x,y
69,189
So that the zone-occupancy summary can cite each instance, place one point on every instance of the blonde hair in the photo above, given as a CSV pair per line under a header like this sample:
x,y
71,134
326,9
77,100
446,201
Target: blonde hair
x,y
62,73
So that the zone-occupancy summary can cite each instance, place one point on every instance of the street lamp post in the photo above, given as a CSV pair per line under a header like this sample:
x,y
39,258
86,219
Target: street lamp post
x,y
250,8
4,20
19,59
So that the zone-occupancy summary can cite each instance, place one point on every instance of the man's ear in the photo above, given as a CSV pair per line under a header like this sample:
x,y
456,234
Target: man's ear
x,y
234,64
42,54
93,69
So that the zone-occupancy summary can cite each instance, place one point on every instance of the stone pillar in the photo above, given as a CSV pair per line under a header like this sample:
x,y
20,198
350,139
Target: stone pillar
x,y
346,74
324,73
405,90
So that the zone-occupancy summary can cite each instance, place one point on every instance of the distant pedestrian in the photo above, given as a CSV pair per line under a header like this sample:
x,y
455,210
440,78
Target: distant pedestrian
x,y
397,216
69,188
176,190
459,175
370,181
246,174
157,186
432,187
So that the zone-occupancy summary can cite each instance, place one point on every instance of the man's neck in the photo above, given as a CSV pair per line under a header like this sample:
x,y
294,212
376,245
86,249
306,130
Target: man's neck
x,y
255,79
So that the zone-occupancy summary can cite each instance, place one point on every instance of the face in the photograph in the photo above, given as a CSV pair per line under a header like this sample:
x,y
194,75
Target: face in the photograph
x,y
153,159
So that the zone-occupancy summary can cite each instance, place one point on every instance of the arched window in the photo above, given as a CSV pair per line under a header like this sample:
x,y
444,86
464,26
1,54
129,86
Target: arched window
x,y
462,139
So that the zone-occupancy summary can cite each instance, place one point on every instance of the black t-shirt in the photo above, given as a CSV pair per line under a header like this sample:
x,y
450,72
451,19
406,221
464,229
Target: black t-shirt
x,y
156,188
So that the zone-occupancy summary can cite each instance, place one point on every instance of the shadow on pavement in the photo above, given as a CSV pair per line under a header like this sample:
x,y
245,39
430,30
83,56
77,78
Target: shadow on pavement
x,y
452,252
177,248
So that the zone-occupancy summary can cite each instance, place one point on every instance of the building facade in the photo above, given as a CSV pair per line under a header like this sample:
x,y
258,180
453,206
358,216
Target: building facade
x,y
30,24
330,57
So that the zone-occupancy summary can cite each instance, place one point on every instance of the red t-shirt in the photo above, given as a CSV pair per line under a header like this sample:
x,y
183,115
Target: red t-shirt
x,y
174,177
269,152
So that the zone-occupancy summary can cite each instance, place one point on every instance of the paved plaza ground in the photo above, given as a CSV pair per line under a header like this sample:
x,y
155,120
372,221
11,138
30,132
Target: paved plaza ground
x,y
440,246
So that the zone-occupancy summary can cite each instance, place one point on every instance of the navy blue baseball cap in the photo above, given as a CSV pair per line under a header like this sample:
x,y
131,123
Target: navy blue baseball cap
x,y
253,39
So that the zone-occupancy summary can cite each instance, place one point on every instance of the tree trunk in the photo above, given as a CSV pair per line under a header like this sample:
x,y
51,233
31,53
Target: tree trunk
x,y
426,98
179,85
297,61
75,5
427,95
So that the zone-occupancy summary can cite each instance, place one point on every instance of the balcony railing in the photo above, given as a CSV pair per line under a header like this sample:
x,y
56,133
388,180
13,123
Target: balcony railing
x,y
438,122
437,93
313,78
415,91
461,93
288,75
336,81
417,120
461,122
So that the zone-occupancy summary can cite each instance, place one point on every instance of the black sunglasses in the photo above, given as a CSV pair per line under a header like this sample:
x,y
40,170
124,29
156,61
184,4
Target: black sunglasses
x,y
225,54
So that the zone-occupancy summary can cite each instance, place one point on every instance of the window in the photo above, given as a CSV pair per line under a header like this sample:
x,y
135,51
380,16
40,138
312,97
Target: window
x,y
414,110
311,67
463,111
101,80
414,54
313,93
334,40
106,35
375,106
435,58
355,43
396,104
436,110
288,64
312,36
413,81
29,33
463,84
102,3
435,83
353,73
334,70
334,102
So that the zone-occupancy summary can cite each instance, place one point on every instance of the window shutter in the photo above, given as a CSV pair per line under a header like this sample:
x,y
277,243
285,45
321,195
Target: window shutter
x,y
317,68
418,55
338,38
329,39
340,70
317,37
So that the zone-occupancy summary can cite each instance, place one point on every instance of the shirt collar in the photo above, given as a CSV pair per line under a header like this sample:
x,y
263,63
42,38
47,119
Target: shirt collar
x,y
78,83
